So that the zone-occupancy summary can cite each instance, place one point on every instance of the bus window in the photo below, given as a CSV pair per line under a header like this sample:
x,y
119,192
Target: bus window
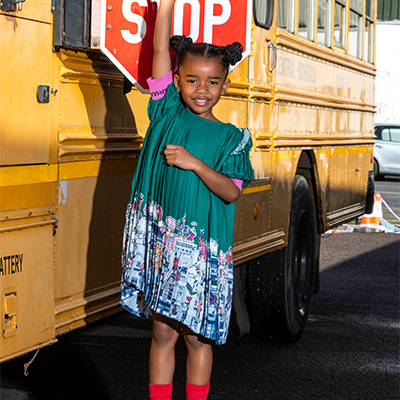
x,y
264,13
369,31
281,13
339,34
286,14
321,21
303,18
355,28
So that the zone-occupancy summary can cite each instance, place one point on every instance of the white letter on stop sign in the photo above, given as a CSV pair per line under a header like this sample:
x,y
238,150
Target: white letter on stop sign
x,y
210,19
136,19
194,18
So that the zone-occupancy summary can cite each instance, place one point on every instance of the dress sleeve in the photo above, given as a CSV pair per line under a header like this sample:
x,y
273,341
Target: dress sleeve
x,y
238,183
238,166
164,95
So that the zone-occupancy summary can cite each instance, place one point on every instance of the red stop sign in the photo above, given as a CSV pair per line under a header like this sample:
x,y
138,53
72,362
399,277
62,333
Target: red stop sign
x,y
127,29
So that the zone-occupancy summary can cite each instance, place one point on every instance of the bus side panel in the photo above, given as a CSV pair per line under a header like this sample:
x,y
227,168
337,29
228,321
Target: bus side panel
x,y
284,164
27,302
99,144
88,248
24,121
27,180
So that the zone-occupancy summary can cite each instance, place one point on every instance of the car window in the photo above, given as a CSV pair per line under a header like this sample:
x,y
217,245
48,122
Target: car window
x,y
395,134
386,134
378,134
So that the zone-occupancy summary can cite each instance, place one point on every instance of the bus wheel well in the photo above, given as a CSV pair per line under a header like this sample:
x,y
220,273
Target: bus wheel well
x,y
307,168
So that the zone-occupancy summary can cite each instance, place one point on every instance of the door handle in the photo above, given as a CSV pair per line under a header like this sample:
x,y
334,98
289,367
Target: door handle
x,y
272,56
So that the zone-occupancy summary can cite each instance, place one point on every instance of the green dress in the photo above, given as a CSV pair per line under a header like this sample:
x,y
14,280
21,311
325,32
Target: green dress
x,y
177,249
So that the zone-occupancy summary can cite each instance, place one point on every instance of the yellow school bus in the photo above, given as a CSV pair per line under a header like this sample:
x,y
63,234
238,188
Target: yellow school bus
x,y
71,135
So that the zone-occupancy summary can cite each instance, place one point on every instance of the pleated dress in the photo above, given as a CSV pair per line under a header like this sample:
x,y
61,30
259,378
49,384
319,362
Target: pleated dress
x,y
177,245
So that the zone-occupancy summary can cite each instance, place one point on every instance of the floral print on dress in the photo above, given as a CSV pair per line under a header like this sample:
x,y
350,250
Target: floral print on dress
x,y
186,278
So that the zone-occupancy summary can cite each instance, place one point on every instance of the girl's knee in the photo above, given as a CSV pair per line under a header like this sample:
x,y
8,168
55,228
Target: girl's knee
x,y
165,330
195,341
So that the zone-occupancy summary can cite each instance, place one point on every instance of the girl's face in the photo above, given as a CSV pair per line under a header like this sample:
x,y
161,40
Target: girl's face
x,y
201,82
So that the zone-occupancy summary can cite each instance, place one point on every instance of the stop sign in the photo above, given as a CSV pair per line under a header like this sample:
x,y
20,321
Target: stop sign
x,y
127,29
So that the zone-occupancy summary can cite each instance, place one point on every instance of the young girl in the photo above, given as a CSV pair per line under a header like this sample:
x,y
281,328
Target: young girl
x,y
177,256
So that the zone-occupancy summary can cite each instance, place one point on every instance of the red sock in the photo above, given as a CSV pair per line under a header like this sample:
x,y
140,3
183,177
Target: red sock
x,y
197,392
160,392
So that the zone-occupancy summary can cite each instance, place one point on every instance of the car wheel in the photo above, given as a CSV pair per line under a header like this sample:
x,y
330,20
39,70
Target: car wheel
x,y
281,283
377,175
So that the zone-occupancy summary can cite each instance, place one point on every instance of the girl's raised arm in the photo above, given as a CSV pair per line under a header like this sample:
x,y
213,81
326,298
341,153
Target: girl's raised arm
x,y
162,33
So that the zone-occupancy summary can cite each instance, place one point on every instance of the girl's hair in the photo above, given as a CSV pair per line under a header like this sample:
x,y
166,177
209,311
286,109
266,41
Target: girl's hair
x,y
184,47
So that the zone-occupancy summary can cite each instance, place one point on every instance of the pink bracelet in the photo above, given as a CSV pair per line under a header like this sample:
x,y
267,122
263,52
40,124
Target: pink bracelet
x,y
158,87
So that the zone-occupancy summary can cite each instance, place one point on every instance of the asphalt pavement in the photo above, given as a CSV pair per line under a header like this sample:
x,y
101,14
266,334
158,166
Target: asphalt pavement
x,y
349,350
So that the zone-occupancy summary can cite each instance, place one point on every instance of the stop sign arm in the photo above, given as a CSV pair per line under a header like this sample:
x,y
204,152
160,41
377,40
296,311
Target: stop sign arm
x,y
162,33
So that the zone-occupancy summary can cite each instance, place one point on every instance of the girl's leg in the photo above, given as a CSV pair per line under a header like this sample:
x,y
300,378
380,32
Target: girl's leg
x,y
199,358
162,350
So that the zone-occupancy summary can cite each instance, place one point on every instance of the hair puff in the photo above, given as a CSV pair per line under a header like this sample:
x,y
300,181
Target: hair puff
x,y
233,52
179,43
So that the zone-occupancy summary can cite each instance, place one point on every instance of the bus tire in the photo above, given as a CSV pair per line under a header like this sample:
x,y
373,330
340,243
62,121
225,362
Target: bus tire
x,y
281,283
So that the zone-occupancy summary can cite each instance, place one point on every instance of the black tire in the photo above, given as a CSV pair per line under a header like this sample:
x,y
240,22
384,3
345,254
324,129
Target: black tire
x,y
377,175
281,283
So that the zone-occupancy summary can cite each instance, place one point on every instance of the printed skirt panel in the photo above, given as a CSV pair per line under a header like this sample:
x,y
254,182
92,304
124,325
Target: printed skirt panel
x,y
169,267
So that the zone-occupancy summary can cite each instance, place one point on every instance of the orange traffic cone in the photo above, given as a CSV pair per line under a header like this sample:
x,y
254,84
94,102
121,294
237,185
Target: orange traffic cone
x,y
376,216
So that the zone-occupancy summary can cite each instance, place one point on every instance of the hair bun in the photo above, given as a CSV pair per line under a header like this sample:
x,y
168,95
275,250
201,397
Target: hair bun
x,y
233,52
179,43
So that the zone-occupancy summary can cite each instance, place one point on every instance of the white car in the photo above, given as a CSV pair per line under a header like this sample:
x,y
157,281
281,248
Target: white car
x,y
386,150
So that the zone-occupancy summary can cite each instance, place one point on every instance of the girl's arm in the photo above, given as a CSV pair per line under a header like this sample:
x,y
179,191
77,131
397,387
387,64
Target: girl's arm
x,y
162,33
218,183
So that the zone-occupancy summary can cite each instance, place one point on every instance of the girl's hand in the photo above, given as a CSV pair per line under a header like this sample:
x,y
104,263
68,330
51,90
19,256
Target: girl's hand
x,y
178,156
218,183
